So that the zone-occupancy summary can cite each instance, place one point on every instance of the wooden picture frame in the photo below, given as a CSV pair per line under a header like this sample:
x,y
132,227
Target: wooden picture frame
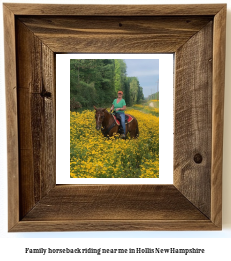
x,y
33,34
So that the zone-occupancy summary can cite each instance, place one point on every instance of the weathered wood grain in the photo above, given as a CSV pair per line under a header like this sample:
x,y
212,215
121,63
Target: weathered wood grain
x,y
113,202
114,10
115,34
193,119
114,207
114,25
218,115
114,225
29,185
11,116
36,118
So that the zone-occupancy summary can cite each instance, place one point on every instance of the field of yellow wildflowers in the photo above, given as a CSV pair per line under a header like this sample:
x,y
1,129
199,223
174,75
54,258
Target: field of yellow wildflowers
x,y
93,156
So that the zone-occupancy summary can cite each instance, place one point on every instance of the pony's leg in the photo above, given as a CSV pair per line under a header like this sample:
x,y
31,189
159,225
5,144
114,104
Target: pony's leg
x,y
114,130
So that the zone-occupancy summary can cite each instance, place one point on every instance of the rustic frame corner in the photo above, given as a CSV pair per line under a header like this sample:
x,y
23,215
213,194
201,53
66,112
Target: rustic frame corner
x,y
33,34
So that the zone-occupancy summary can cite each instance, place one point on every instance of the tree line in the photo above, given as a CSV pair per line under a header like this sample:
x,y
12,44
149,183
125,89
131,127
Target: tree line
x,y
154,96
97,81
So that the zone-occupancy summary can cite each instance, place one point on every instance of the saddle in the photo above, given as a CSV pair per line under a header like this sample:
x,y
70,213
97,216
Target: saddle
x,y
128,118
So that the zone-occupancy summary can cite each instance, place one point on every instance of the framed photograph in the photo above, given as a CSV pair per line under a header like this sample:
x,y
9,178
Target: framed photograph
x,y
35,35
82,151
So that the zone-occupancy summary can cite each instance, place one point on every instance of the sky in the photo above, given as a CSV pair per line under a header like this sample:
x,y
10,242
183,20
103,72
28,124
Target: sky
x,y
147,72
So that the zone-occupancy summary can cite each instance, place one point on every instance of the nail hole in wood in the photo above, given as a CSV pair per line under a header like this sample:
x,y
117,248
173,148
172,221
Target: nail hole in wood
x,y
120,24
46,94
198,158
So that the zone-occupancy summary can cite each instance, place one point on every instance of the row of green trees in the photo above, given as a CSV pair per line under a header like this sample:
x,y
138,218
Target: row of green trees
x,y
97,81
154,96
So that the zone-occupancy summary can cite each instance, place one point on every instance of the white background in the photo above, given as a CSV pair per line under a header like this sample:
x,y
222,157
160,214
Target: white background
x,y
216,243
165,119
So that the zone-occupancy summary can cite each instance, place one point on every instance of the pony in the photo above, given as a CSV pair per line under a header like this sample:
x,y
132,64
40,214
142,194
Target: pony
x,y
108,125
